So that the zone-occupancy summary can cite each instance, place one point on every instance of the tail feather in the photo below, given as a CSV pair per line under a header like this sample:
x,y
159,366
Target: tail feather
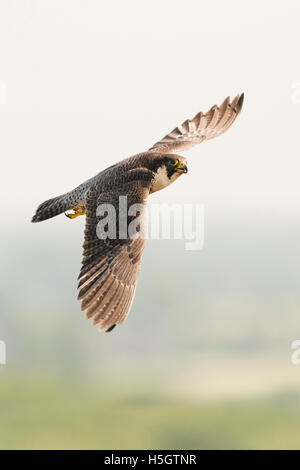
x,y
51,208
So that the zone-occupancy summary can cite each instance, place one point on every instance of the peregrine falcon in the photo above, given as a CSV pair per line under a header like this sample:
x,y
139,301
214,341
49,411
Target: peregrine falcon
x,y
110,266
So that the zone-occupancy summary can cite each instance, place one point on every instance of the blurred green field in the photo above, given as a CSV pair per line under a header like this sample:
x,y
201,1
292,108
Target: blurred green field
x,y
52,413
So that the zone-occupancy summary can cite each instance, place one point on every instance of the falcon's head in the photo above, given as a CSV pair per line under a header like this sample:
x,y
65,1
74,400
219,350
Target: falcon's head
x,y
168,169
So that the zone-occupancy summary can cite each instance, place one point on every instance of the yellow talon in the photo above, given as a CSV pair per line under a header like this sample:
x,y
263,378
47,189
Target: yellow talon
x,y
79,210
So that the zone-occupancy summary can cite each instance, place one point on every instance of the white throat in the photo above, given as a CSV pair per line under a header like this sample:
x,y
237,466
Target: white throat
x,y
162,180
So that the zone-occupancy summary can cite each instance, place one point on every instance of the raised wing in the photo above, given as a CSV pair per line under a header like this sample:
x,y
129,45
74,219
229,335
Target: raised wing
x,y
202,127
107,280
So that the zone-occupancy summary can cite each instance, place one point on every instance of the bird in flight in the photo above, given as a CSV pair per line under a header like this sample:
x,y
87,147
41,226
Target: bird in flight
x,y
110,266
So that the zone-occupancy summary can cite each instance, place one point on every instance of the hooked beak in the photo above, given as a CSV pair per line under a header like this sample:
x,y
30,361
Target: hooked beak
x,y
181,167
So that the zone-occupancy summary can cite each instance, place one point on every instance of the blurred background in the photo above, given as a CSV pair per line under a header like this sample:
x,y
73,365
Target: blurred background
x,y
204,359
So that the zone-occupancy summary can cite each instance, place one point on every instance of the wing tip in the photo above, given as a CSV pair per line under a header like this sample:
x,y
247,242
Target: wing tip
x,y
110,328
238,102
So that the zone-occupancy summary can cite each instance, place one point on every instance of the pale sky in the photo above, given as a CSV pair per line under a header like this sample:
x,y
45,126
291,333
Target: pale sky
x,y
84,84
89,83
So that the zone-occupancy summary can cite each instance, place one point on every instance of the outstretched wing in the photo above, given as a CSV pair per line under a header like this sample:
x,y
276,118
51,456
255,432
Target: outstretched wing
x,y
202,127
107,280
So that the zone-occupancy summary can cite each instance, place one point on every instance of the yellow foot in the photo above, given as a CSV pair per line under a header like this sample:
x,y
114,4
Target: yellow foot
x,y
79,210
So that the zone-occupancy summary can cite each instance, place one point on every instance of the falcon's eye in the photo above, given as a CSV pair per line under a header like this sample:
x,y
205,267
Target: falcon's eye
x,y
173,162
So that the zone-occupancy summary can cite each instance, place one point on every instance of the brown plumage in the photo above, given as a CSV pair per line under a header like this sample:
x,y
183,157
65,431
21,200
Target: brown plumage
x,y
110,266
